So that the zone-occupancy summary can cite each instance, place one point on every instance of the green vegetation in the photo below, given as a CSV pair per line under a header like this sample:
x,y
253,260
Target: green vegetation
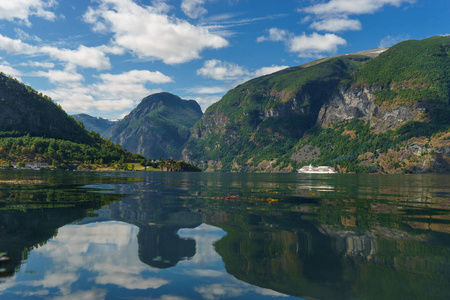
x,y
263,124
411,71
63,153
266,116
25,111
34,129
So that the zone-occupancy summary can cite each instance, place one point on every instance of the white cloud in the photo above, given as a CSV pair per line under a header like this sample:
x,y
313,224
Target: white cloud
x,y
314,44
10,71
135,76
113,92
39,64
193,8
80,249
268,70
333,15
336,25
149,34
86,57
57,76
218,291
220,70
16,46
305,45
352,7
275,35
22,9
389,40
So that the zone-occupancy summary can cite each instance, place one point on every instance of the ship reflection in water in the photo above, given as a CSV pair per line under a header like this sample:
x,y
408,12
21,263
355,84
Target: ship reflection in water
x,y
226,236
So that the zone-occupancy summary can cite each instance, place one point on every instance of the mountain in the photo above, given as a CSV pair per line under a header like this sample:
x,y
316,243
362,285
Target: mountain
x,y
375,111
158,127
25,111
97,124
33,128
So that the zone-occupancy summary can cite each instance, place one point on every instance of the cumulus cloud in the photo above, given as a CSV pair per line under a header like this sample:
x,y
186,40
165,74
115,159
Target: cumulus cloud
x,y
220,70
57,76
314,44
112,93
136,76
21,10
148,33
305,45
86,57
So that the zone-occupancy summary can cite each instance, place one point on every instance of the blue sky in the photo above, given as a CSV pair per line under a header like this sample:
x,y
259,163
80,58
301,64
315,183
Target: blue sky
x,y
102,57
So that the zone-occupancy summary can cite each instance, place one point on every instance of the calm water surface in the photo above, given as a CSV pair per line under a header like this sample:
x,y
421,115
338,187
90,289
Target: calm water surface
x,y
179,236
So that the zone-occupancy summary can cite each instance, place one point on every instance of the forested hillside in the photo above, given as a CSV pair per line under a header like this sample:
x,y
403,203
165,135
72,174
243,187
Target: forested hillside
x,y
355,112
33,128
25,111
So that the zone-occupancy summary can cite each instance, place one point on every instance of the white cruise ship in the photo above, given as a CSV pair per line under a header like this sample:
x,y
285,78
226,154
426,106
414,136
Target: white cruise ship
x,y
317,170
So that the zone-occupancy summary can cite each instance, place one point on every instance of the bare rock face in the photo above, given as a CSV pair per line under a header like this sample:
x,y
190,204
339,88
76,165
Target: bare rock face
x,y
359,102
346,105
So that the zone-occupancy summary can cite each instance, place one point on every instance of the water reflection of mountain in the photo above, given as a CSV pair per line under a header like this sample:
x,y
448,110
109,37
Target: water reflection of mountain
x,y
159,216
29,217
295,257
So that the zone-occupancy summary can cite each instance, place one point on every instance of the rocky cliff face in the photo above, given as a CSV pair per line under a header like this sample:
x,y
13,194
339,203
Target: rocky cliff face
x,y
359,102
158,127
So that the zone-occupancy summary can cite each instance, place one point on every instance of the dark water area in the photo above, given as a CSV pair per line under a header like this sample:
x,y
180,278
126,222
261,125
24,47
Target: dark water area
x,y
179,236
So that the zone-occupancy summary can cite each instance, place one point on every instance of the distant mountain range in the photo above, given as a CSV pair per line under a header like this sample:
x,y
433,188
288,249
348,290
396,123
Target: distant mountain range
x,y
382,110
97,124
158,127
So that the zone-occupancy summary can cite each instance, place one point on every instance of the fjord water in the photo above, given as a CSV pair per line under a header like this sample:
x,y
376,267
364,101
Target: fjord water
x,y
155,235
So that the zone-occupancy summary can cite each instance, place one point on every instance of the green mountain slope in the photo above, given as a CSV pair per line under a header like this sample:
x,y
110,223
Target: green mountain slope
x,y
97,124
158,127
33,128
303,115
265,117
24,111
